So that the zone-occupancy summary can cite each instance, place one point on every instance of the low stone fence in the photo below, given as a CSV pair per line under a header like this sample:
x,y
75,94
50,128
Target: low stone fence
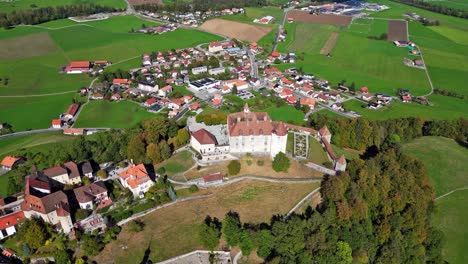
x,y
320,168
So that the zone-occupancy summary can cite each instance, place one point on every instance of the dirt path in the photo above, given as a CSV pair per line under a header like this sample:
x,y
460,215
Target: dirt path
x,y
452,191
330,44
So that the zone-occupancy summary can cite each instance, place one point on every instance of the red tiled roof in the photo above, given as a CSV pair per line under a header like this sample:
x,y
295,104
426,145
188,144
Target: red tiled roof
x,y
364,90
275,54
11,219
307,101
73,169
79,64
324,131
341,160
204,137
88,192
291,99
121,81
213,177
73,131
151,101
9,161
56,122
135,175
194,106
55,171
72,109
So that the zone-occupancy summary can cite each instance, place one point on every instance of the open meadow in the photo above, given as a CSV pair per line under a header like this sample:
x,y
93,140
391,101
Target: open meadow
x,y
33,71
252,13
101,113
10,145
445,161
16,5
174,230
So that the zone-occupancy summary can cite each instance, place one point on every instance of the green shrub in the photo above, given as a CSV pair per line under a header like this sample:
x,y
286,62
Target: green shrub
x,y
249,162
193,188
234,167
260,162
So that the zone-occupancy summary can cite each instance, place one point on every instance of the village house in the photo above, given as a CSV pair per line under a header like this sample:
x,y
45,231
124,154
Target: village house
x,y
74,131
148,86
97,96
310,102
116,97
215,47
71,111
91,195
163,92
9,162
87,169
406,99
176,104
9,224
67,173
150,102
213,179
199,70
367,97
241,85
136,179
76,67
216,71
195,106
42,201
56,123
337,107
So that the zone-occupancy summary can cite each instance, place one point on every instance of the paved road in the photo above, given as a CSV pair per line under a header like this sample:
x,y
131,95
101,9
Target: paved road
x,y
283,18
302,201
47,130
253,64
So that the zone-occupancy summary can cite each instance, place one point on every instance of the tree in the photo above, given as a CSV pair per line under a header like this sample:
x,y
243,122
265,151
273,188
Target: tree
x,y
85,180
136,149
264,243
246,243
135,226
281,162
153,153
165,149
277,61
101,174
183,136
234,167
344,253
90,245
81,214
234,90
33,232
232,228
209,233
352,87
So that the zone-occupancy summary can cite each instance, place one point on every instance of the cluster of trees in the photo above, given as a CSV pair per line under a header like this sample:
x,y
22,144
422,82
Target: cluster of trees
x,y
156,141
45,14
6,129
361,133
152,141
212,118
378,211
382,36
201,5
449,93
435,8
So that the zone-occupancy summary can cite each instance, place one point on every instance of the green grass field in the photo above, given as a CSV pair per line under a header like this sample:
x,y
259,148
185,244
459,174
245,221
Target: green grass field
x,y
443,108
316,152
252,13
376,64
445,162
34,69
9,145
121,114
178,163
287,114
17,5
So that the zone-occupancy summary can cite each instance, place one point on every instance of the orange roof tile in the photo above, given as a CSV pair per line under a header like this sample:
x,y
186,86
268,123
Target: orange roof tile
x,y
9,161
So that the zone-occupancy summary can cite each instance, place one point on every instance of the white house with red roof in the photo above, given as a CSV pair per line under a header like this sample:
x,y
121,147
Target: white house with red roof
x,y
213,179
9,162
215,47
165,91
136,179
9,223
78,67
56,123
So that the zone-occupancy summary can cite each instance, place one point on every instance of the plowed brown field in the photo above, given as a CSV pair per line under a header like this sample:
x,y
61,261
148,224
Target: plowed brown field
x,y
304,16
236,30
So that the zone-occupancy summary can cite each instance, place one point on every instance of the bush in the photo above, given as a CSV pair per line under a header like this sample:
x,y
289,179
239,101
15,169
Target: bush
x,y
328,164
249,162
102,174
281,162
193,188
260,163
234,167
81,214
135,226
161,171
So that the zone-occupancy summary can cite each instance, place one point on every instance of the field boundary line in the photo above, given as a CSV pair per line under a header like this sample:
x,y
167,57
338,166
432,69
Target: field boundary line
x,y
36,95
452,191
48,28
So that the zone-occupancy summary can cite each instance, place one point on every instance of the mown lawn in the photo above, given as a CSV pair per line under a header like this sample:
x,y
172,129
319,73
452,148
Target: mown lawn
x,y
445,161
30,4
123,114
287,114
316,152
451,217
178,163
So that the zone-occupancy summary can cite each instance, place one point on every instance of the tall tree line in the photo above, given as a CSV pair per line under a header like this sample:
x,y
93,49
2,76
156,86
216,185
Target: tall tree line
x,y
45,14
427,5
361,133
201,5
379,211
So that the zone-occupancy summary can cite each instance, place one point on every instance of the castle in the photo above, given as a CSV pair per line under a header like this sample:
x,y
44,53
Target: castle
x,y
254,133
